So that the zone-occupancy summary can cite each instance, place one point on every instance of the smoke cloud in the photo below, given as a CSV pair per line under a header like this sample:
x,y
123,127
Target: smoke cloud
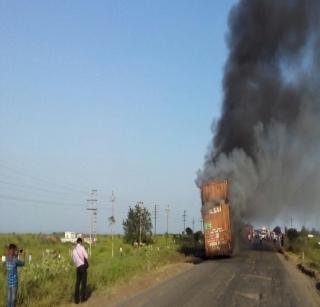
x,y
267,141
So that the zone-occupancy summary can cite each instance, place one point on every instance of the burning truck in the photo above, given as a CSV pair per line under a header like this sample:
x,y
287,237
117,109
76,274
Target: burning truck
x,y
216,218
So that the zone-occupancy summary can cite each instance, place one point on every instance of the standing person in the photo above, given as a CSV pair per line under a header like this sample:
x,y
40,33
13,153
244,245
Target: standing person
x,y
11,265
80,259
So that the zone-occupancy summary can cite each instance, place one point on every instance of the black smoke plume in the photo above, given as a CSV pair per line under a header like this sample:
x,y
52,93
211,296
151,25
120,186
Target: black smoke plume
x,y
267,140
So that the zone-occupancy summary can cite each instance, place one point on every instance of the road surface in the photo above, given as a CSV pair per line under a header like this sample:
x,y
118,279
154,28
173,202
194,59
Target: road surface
x,y
253,278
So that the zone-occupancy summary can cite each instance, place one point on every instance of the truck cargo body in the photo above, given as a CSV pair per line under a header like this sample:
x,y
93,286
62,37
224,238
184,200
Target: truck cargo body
x,y
216,219
214,191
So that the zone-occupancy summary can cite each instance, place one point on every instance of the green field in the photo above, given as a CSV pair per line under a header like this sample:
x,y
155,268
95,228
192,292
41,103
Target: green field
x,y
49,279
307,247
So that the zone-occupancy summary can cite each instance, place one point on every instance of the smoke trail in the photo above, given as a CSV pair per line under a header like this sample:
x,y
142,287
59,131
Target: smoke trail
x,y
267,139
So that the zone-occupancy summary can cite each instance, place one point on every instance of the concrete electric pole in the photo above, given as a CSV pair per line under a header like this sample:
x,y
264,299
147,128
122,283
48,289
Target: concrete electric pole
x,y
112,220
155,219
184,216
141,209
167,215
92,207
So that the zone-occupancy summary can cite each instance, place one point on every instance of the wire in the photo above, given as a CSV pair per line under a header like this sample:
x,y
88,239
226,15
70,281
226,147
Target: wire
x,y
67,186
8,197
48,202
33,189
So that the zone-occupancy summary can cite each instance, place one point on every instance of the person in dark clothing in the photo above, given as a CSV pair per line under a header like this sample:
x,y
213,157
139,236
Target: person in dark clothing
x,y
80,259
11,264
81,281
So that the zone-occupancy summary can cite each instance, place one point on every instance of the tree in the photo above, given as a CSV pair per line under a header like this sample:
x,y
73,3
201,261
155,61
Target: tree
x,y
137,216
189,232
198,236
304,231
277,230
292,234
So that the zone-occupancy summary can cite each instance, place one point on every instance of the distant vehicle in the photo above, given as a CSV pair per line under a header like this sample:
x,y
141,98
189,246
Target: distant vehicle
x,y
216,218
262,236
263,233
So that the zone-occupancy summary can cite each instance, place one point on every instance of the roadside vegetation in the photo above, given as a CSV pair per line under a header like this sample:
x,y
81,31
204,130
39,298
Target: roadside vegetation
x,y
190,243
305,244
138,226
48,280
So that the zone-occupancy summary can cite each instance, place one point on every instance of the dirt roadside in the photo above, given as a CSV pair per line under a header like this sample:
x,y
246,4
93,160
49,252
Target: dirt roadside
x,y
124,290
303,282
302,265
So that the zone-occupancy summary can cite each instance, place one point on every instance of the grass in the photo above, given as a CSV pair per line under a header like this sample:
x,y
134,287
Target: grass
x,y
49,279
307,246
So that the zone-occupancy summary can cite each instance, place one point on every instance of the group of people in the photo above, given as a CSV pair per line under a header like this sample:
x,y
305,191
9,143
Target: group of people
x,y
12,262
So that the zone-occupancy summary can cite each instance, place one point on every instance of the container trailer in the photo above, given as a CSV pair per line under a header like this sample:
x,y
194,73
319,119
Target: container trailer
x,y
216,218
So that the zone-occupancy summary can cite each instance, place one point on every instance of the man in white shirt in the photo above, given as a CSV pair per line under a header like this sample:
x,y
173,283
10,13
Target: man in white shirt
x,y
80,259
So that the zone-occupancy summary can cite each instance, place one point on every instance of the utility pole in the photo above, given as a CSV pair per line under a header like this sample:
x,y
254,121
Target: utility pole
x,y
112,220
167,214
291,219
155,219
201,223
92,207
193,224
184,216
141,208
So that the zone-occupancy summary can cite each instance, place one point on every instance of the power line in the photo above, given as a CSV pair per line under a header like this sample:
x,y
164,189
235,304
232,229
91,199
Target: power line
x,y
43,180
8,197
29,180
33,189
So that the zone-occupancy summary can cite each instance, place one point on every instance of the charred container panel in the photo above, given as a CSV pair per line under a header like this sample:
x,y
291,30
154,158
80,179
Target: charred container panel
x,y
216,219
214,191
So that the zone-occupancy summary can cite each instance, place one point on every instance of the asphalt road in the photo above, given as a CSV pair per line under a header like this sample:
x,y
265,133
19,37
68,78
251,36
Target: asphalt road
x,y
253,278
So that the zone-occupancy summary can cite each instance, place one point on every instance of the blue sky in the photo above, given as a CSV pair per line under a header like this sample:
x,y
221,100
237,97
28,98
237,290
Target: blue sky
x,y
113,95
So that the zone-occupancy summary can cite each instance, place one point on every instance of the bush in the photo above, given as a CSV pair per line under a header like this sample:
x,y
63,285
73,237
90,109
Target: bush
x,y
292,235
38,281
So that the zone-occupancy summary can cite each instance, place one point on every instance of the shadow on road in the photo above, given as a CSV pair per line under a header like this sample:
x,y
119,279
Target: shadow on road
x,y
90,290
195,252
264,245
192,249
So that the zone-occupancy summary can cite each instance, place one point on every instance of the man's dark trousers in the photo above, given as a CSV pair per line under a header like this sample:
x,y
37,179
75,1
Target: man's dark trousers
x,y
81,280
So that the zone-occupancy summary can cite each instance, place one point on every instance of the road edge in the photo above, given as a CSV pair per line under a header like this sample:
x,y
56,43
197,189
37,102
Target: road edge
x,y
115,294
303,268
